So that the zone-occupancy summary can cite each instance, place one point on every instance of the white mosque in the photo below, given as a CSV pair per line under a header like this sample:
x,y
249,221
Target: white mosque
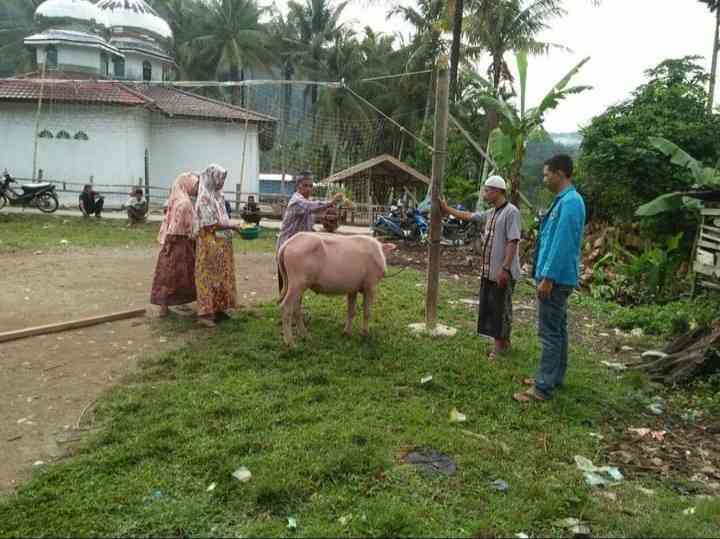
x,y
71,118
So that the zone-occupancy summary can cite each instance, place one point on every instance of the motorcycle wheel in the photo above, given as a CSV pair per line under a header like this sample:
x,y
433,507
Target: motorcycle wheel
x,y
47,203
3,201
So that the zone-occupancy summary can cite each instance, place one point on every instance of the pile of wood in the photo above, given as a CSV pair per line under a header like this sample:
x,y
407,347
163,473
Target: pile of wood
x,y
695,354
608,245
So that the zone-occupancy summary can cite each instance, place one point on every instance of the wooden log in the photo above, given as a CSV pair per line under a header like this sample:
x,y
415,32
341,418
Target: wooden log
x,y
65,326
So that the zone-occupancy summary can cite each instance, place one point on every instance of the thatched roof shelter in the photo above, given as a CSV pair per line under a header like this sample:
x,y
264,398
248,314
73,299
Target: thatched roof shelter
x,y
378,179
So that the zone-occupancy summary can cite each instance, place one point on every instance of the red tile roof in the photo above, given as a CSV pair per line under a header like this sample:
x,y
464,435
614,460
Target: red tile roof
x,y
167,100
95,92
175,102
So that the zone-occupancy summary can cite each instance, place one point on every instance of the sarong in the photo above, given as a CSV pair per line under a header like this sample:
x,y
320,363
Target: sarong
x,y
495,310
214,274
174,280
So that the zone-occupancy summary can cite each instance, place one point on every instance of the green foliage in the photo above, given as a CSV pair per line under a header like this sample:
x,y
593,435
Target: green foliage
x,y
619,168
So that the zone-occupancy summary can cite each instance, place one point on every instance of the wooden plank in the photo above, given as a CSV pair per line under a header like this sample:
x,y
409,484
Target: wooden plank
x,y
708,245
708,284
710,237
65,326
710,211
706,270
712,228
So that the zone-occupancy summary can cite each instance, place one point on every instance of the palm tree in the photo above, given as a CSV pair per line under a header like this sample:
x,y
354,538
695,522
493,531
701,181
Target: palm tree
x,y
16,23
714,6
317,25
233,40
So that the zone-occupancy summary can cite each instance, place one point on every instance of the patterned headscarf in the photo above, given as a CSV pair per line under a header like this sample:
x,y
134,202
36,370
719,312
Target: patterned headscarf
x,y
210,206
180,212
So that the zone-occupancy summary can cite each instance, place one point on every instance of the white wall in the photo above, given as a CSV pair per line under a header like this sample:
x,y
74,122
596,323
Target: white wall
x,y
113,155
134,67
191,145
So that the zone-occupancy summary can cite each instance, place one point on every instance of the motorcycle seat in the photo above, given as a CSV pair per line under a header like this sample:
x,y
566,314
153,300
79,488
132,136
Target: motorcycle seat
x,y
35,186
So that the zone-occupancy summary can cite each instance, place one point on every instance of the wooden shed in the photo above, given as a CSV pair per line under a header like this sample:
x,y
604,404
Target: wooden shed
x,y
375,183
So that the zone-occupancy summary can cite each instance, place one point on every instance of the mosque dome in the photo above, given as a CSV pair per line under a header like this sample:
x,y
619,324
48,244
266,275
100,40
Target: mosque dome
x,y
134,16
70,14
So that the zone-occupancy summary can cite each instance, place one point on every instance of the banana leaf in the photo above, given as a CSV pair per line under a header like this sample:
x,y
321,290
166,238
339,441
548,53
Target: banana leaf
x,y
667,203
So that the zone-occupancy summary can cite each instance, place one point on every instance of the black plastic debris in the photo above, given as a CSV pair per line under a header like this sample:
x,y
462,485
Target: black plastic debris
x,y
431,462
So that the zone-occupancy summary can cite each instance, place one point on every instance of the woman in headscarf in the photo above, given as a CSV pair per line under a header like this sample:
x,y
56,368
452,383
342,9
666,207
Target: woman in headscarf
x,y
174,281
214,264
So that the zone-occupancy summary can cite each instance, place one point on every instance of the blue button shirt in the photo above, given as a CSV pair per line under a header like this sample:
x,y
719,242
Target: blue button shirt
x,y
557,256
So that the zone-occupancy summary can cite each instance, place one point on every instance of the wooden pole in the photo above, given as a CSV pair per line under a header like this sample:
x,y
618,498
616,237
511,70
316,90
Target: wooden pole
x,y
65,326
147,179
37,120
436,187
242,163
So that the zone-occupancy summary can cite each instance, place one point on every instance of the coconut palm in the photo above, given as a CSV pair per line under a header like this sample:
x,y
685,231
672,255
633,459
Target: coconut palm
x,y
233,40
714,6
16,23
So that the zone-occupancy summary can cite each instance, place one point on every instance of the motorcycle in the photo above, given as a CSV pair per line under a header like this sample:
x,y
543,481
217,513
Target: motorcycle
x,y
390,225
37,195
459,232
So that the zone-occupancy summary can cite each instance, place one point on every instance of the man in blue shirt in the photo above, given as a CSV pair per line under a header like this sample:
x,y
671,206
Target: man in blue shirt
x,y
557,266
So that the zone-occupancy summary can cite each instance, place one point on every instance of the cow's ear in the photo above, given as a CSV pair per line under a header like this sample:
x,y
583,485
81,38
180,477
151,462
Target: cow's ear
x,y
388,247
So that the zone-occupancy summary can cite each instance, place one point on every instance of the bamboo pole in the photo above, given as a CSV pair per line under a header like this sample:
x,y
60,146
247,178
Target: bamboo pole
x,y
66,326
436,187
242,162
37,120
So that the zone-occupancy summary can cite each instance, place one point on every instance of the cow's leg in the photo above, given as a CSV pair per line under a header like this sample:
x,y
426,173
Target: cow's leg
x,y
288,307
368,297
351,308
299,318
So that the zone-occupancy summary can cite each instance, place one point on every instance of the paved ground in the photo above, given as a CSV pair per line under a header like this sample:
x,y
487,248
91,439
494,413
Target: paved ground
x,y
157,218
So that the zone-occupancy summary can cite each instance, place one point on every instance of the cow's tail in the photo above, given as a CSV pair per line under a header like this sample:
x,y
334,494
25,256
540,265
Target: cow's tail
x,y
282,272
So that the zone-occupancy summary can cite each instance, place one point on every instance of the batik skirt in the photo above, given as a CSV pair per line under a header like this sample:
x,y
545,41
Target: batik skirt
x,y
174,280
214,273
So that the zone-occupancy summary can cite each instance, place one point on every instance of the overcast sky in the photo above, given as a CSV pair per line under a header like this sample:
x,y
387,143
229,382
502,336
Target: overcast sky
x,y
623,38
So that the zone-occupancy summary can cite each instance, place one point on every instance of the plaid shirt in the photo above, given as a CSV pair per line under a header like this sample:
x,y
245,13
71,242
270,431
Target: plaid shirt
x,y
299,217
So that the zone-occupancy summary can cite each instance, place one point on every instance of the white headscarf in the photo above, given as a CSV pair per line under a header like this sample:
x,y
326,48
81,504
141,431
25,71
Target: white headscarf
x,y
210,205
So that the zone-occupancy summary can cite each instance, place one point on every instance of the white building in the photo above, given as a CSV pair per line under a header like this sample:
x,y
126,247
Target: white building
x,y
79,116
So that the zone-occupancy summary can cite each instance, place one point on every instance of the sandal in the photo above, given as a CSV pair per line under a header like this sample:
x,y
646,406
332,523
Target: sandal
x,y
529,382
528,396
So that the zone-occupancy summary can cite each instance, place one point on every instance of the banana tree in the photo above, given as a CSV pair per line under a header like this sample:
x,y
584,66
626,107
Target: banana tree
x,y
702,178
508,142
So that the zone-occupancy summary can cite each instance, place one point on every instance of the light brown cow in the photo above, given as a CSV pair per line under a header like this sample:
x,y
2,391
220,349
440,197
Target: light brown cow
x,y
329,264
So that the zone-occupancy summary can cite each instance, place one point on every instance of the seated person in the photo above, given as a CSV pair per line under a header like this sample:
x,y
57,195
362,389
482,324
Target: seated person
x,y
136,207
91,202
251,206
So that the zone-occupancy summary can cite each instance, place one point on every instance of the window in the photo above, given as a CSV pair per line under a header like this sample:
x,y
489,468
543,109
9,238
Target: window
x,y
147,71
51,57
80,135
62,134
104,65
119,68
45,134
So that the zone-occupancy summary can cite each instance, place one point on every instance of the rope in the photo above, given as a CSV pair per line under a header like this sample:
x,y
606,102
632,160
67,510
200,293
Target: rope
x,y
397,76
381,113
397,272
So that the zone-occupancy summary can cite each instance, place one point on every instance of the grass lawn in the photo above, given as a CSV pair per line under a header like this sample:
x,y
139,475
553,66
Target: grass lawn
x,y
322,429
43,232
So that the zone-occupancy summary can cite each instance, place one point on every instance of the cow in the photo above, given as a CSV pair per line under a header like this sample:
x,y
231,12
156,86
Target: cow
x,y
329,264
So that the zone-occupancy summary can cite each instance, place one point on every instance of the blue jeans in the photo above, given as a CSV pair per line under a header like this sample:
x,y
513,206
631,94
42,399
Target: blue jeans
x,y
552,329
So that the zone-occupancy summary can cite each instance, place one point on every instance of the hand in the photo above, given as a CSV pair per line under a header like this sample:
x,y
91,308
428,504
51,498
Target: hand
x,y
544,289
503,277
338,198
444,206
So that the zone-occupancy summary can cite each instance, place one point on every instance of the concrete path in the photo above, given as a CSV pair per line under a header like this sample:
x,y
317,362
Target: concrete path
x,y
273,224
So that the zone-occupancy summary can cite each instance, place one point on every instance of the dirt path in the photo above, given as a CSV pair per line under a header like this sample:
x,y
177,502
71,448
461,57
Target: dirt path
x,y
47,381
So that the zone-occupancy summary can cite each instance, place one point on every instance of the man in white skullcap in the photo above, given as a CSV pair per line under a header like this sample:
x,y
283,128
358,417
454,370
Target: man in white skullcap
x,y
500,264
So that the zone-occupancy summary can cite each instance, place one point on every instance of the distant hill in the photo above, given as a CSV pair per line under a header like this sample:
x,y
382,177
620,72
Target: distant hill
x,y
572,140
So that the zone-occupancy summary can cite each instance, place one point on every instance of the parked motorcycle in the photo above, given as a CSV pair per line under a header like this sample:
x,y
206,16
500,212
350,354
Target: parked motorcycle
x,y
36,195
459,232
390,225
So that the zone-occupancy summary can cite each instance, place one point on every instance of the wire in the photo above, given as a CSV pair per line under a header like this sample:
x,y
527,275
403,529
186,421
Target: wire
x,y
402,129
397,76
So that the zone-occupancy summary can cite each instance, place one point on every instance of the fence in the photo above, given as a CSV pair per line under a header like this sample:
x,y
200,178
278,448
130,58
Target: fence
x,y
271,205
